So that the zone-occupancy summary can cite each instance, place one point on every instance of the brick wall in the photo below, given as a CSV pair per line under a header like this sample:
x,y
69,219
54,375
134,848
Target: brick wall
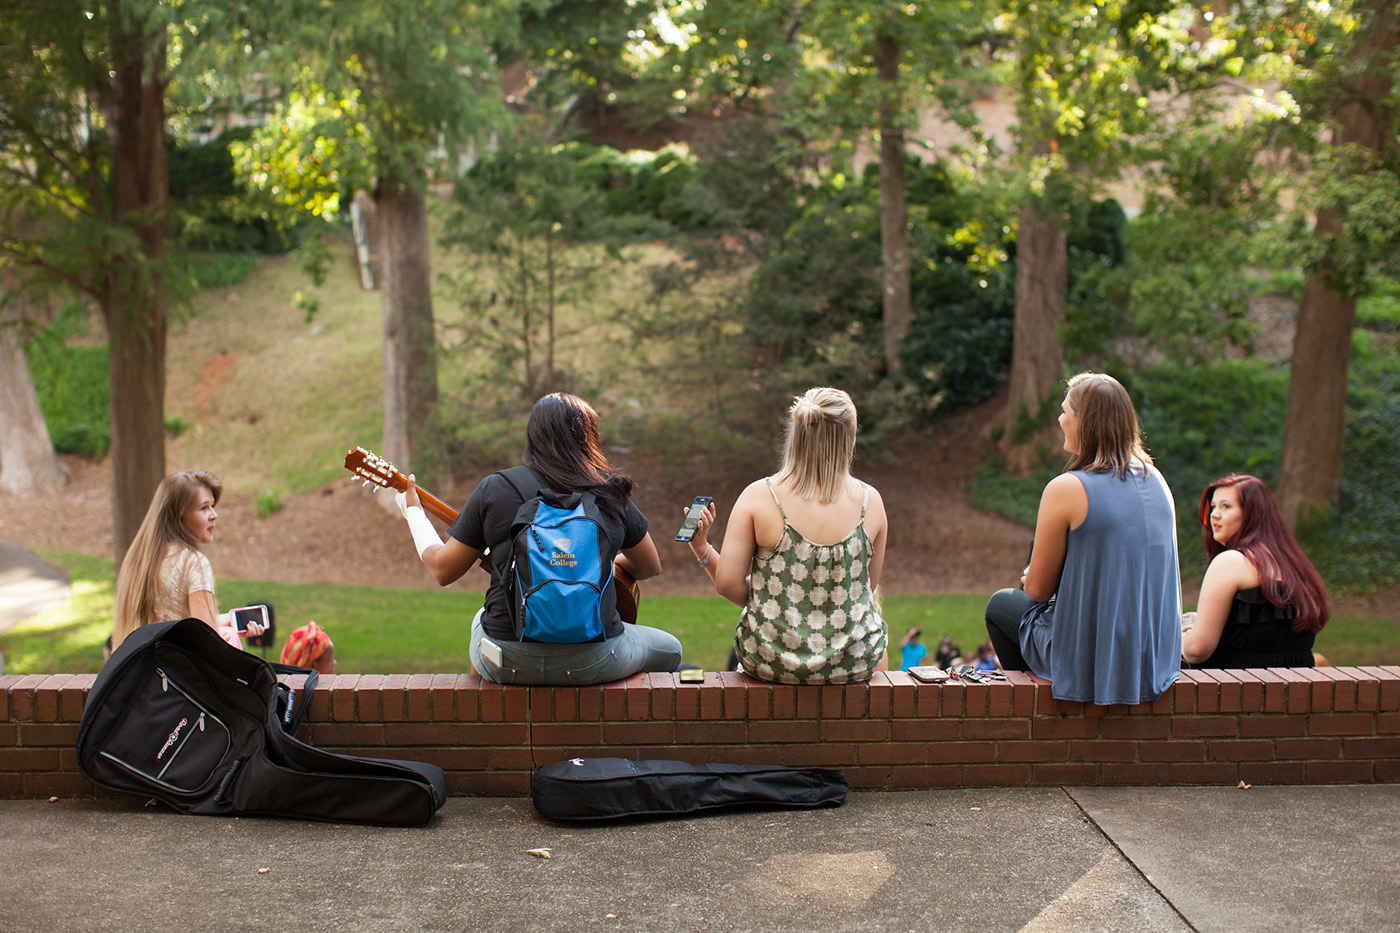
x,y
1277,726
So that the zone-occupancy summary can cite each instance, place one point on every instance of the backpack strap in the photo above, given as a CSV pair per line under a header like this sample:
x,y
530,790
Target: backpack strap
x,y
525,481
292,716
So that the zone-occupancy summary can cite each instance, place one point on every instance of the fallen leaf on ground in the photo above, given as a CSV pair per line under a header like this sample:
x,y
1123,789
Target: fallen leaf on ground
x,y
52,799
1243,786
539,853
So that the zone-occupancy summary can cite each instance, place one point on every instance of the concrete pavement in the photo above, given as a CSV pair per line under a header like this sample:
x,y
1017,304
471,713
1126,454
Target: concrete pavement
x,y
28,585
1033,859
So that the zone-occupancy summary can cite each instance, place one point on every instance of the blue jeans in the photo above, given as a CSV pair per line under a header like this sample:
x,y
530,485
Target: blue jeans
x,y
639,648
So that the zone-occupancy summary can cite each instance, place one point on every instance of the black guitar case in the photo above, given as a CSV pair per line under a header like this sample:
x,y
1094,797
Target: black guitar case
x,y
617,788
179,715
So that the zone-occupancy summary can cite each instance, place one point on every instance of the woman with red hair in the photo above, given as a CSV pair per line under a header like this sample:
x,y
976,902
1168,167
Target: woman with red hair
x,y
1262,601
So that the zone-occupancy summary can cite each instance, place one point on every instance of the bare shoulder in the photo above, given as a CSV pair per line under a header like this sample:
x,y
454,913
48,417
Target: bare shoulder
x,y
1064,491
1235,567
875,505
754,492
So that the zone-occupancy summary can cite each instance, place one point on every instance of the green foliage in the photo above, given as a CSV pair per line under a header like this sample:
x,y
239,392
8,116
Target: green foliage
x,y
71,380
1016,497
211,210
175,425
219,270
1380,310
1186,281
268,502
1201,422
1357,543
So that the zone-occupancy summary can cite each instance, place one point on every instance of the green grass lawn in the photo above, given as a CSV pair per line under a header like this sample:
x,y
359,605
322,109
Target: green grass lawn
x,y
379,630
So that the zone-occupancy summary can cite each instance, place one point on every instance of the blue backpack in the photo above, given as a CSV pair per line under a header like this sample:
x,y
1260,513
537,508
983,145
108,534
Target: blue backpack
x,y
559,573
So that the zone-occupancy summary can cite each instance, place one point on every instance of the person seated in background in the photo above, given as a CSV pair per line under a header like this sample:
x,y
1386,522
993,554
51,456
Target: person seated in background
x,y
985,659
803,554
1100,614
1262,602
310,646
912,651
947,654
165,575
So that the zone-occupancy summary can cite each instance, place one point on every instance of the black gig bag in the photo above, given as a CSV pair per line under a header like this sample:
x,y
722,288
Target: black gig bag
x,y
179,715
617,788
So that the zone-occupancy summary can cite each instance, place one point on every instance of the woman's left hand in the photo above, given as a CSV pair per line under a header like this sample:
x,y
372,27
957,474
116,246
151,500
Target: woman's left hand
x,y
700,544
407,499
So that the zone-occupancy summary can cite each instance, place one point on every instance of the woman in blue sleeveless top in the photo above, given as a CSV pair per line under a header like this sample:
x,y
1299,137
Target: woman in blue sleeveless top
x,y
1100,614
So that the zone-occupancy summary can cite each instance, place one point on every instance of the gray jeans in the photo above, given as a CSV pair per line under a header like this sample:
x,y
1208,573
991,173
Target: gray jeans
x,y
639,648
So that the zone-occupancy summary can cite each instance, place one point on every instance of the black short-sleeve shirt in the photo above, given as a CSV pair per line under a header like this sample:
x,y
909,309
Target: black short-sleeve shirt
x,y
484,524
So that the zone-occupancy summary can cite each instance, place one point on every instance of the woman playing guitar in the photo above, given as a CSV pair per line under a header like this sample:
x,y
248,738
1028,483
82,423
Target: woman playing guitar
x,y
563,453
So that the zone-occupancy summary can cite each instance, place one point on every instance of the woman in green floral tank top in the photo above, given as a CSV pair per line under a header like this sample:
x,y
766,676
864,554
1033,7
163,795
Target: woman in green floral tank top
x,y
803,553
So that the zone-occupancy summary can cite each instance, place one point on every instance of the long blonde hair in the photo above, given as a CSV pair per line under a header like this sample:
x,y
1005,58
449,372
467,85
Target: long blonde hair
x,y
138,582
1110,437
819,444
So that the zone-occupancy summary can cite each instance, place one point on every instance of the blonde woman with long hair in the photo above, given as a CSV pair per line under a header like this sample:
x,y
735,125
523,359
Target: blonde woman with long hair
x,y
803,554
165,575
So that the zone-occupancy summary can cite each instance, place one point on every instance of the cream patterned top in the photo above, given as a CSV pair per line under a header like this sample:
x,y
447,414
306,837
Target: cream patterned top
x,y
811,617
183,571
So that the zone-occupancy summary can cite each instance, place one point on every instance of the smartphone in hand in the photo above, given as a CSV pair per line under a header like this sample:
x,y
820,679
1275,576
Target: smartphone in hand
x,y
243,615
692,518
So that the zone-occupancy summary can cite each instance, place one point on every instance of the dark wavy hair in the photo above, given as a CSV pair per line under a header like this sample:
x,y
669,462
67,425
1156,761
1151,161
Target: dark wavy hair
x,y
562,446
1286,575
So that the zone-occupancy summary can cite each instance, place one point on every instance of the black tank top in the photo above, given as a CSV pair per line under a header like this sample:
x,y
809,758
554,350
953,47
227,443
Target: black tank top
x,y
1260,634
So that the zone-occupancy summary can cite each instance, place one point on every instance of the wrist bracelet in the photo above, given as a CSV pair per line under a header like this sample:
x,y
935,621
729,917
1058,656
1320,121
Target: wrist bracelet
x,y
705,561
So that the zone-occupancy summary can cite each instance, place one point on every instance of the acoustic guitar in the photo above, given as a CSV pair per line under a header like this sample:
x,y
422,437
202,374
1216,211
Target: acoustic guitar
x,y
372,468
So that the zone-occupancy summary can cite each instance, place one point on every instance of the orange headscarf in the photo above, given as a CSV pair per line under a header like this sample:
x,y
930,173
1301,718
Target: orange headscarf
x,y
305,645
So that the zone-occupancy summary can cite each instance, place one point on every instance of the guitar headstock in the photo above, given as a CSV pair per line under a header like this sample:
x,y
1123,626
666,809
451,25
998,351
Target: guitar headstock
x,y
369,466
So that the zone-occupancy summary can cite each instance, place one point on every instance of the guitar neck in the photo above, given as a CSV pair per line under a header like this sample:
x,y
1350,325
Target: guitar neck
x,y
436,507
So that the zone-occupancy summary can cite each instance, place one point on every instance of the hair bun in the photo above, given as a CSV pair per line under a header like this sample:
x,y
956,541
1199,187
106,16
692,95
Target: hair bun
x,y
822,404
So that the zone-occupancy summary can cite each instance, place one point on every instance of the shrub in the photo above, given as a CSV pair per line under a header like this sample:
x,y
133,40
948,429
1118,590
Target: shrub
x,y
211,210
219,270
1380,310
176,425
73,385
267,502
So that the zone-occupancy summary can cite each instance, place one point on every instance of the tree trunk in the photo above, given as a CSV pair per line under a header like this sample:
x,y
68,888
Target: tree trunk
x,y
894,223
1042,286
27,461
548,382
133,301
1313,434
1310,472
410,342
